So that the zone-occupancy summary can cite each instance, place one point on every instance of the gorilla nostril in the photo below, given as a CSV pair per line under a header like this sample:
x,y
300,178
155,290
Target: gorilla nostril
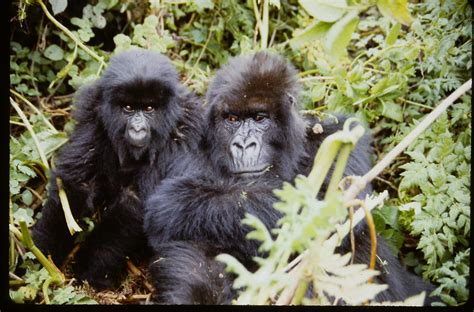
x,y
238,144
251,145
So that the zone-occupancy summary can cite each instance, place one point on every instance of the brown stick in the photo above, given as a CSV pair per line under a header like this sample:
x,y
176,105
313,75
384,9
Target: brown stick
x,y
136,271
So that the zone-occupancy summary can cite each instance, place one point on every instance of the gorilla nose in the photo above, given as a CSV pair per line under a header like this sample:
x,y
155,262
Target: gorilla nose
x,y
244,145
138,127
137,135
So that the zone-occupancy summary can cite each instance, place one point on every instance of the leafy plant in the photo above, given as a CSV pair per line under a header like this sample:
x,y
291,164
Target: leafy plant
x,y
387,62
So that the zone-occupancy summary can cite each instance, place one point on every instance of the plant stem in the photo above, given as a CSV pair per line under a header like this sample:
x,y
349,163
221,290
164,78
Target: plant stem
x,y
36,110
360,183
12,253
27,241
32,132
322,163
70,221
70,34
265,25
339,169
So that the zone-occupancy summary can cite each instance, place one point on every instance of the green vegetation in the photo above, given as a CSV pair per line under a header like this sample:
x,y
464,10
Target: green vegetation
x,y
388,62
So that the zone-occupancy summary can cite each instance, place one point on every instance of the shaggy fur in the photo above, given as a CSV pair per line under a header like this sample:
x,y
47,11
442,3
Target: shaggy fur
x,y
100,169
193,218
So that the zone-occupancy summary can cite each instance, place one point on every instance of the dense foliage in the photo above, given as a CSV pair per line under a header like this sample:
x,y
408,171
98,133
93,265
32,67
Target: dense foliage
x,y
389,62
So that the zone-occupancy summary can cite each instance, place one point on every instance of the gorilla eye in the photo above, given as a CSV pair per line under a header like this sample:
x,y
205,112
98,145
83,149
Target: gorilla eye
x,y
260,117
128,108
232,118
149,109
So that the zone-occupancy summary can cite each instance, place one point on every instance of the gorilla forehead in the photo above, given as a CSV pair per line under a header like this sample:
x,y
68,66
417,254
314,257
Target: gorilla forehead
x,y
141,91
263,76
140,67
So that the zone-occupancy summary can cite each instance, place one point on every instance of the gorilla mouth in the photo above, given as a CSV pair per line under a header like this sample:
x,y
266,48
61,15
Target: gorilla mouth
x,y
138,138
251,172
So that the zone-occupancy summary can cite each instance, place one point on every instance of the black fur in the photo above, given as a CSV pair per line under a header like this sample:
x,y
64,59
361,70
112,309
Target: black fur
x,y
200,214
100,169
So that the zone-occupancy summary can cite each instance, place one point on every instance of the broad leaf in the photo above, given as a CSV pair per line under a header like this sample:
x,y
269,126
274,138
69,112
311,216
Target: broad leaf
x,y
325,10
54,52
396,10
313,32
339,36
58,6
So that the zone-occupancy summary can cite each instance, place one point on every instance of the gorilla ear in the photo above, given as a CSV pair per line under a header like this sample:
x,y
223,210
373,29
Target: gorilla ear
x,y
292,99
86,102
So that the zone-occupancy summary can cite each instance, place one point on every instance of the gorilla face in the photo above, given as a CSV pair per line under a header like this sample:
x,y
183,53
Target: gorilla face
x,y
143,112
254,128
247,149
250,139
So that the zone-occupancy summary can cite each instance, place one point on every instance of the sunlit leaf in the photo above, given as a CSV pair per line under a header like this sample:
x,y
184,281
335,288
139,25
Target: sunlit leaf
x,y
396,10
58,6
325,10
339,35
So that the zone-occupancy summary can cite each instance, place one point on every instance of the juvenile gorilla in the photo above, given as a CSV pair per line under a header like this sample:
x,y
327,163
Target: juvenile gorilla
x,y
133,125
255,140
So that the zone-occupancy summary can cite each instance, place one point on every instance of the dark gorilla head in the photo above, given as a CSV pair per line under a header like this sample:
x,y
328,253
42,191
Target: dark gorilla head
x,y
140,95
254,127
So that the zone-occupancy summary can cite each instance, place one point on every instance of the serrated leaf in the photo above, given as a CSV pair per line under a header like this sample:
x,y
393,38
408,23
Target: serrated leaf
x,y
54,52
63,295
23,214
397,10
17,296
339,35
122,43
275,3
325,10
58,6
28,292
204,4
392,110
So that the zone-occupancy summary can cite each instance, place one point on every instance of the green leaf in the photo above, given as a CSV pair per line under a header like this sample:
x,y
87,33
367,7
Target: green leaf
x,y
54,52
393,34
23,214
397,10
58,6
204,4
122,43
317,92
17,296
275,3
63,295
325,10
339,35
392,110
313,32
27,197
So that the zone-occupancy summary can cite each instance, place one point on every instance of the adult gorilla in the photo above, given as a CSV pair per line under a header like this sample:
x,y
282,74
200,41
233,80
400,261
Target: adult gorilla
x,y
255,140
133,125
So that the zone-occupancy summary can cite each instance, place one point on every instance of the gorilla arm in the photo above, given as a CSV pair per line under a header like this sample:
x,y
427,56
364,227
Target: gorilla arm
x,y
192,209
189,221
76,167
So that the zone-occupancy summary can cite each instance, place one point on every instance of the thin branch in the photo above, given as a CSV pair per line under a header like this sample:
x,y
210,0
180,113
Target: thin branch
x,y
360,183
32,132
71,35
35,109
137,272
199,57
27,241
